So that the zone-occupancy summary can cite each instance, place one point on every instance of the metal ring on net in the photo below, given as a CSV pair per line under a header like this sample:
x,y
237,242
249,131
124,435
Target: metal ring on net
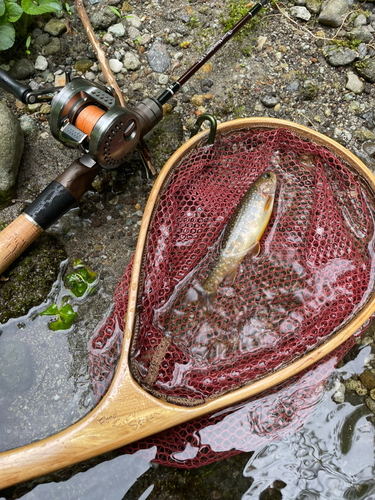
x,y
173,371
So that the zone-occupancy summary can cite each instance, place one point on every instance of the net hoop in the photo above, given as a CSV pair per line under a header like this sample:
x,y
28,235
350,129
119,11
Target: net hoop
x,y
127,413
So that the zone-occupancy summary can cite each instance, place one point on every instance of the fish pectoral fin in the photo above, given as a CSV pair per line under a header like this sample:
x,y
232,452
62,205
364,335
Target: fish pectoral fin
x,y
229,278
268,203
254,250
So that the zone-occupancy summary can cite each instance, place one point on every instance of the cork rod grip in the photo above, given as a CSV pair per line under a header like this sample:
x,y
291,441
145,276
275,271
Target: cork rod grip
x,y
15,238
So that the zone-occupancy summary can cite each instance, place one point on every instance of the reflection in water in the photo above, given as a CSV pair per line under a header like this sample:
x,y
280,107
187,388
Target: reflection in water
x,y
330,458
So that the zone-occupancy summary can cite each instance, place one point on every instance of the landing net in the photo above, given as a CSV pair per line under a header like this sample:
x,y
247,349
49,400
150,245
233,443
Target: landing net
x,y
313,273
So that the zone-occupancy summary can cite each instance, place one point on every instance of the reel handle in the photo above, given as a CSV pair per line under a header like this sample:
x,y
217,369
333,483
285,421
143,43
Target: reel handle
x,y
52,203
10,85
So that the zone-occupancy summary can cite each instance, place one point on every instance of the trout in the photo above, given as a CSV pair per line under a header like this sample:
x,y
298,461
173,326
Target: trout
x,y
241,237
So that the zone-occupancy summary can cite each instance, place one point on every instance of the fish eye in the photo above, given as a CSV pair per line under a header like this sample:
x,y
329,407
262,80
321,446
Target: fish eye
x,y
267,175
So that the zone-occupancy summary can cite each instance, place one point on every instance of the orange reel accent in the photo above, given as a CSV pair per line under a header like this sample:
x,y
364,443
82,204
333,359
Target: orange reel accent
x,y
87,119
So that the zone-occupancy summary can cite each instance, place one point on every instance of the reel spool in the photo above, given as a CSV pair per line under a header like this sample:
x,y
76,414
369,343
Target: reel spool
x,y
86,115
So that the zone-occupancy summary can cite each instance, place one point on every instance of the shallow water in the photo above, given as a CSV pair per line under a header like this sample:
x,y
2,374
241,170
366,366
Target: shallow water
x,y
48,387
330,457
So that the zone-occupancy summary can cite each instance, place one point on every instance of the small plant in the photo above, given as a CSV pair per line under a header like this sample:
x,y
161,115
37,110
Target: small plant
x,y
80,282
115,11
193,22
185,45
15,18
67,8
138,39
28,41
65,316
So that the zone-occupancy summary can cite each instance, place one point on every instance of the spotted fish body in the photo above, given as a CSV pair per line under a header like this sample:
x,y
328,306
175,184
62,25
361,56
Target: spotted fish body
x,y
242,234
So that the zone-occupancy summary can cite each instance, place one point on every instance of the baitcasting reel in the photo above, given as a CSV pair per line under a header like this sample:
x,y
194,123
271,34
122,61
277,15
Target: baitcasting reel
x,y
86,115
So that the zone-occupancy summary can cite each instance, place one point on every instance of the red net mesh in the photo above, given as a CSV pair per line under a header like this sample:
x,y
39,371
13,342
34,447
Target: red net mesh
x,y
314,270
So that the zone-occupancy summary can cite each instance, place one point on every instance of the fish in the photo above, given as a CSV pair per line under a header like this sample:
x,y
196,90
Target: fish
x,y
241,237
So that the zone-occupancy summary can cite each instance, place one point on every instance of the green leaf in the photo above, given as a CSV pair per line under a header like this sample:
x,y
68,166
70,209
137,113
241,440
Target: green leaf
x,y
77,263
59,325
67,314
79,288
52,310
7,34
14,11
2,7
35,8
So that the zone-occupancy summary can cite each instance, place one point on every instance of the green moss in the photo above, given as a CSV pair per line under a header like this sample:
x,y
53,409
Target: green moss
x,y
237,9
30,277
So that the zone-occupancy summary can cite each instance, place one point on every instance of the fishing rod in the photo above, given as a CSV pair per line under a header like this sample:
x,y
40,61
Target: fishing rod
x,y
88,116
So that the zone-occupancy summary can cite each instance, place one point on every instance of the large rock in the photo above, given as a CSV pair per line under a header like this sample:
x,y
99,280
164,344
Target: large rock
x,y
333,13
11,148
360,33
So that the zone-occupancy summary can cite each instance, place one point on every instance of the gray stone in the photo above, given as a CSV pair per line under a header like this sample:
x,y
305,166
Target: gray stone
x,y
131,61
103,17
369,148
41,41
360,33
363,134
41,63
269,101
117,29
134,21
22,69
185,18
183,30
314,6
133,33
366,69
115,65
333,13
354,84
300,13
11,148
293,86
158,57
53,47
145,39
55,27
369,118
27,124
362,51
339,56
360,20
16,374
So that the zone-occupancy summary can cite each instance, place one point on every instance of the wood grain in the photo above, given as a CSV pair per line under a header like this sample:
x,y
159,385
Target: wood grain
x,y
127,413
15,238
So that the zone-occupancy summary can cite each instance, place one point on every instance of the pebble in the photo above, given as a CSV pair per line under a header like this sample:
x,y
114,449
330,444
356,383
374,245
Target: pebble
x,y
41,63
131,61
45,109
22,69
41,41
83,65
134,33
293,86
314,6
163,79
134,21
361,389
28,126
354,83
54,47
367,379
339,395
115,65
117,30
158,57
300,13
108,38
269,101
360,33
197,100
333,13
370,404
339,56
55,27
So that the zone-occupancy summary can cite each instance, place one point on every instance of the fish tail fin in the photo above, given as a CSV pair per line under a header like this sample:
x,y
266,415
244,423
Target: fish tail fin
x,y
205,299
